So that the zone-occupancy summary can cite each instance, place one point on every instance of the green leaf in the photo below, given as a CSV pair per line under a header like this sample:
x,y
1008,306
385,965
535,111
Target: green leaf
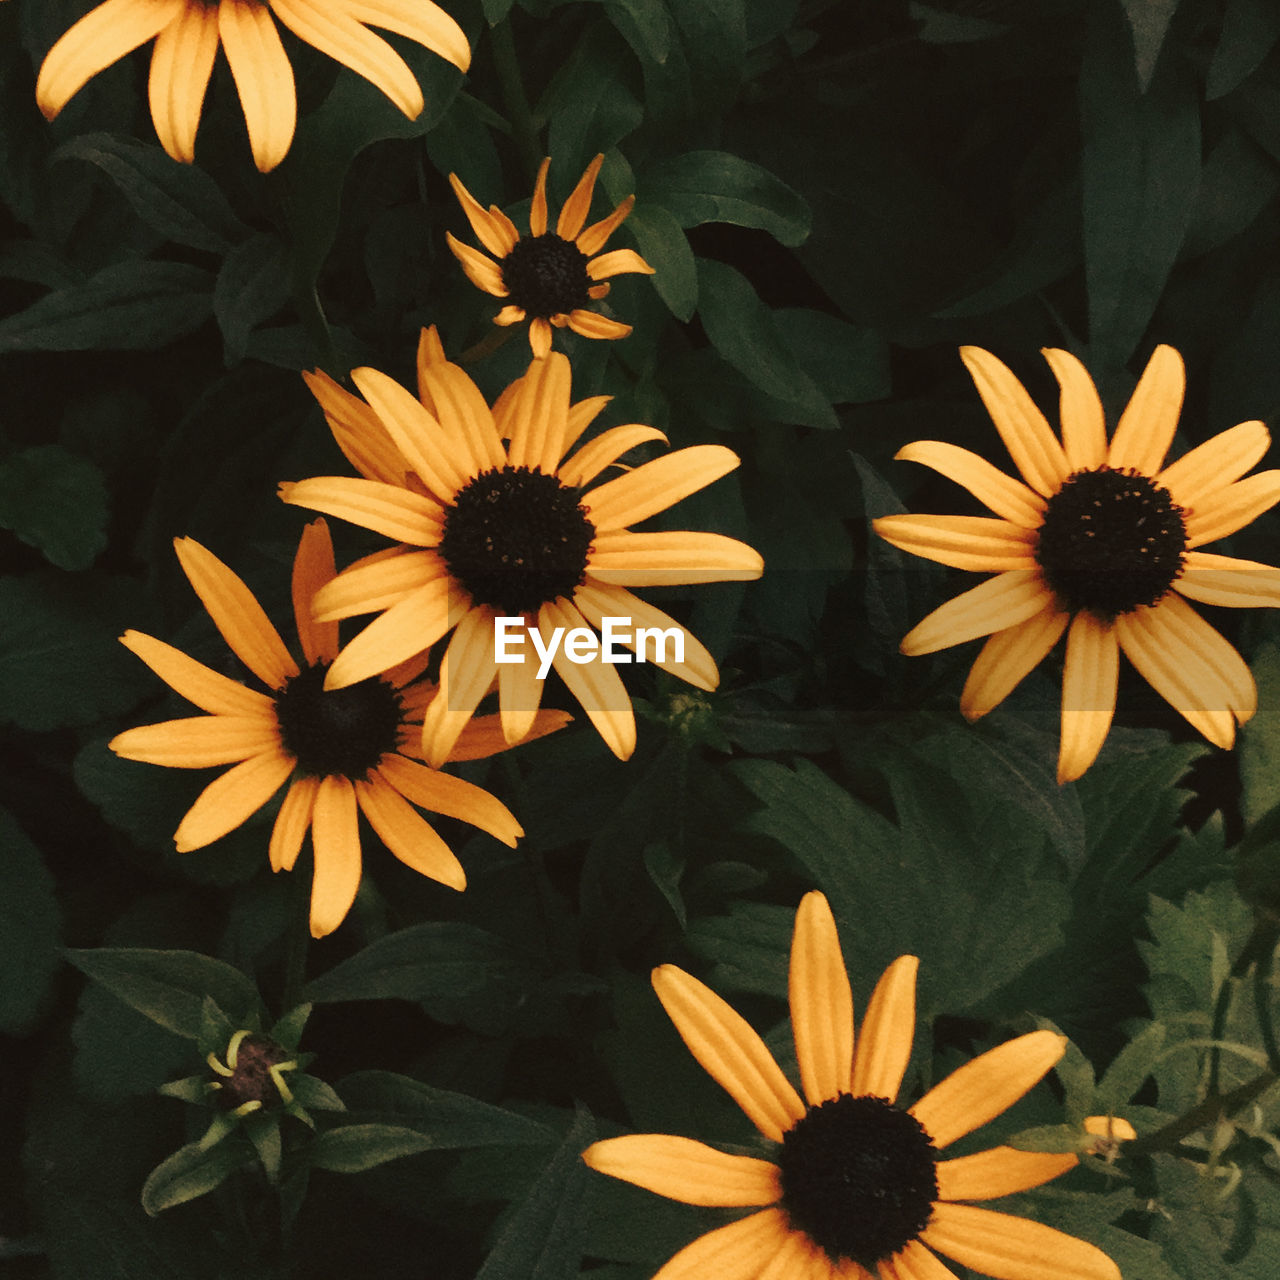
x,y
645,25
1130,1068
1150,21
179,200
590,103
253,284
1259,752
191,1172
1249,30
353,1148
742,330
29,928
938,26
60,662
849,363
714,186
543,1239
496,10
170,987
55,501
130,306
665,247
1057,1139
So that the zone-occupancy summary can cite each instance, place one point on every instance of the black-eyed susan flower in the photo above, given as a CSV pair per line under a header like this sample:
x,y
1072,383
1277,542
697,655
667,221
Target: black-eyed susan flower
x,y
855,1186
341,752
187,35
548,278
1100,542
516,530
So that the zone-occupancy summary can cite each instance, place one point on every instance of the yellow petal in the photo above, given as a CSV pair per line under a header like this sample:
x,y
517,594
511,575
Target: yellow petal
x,y
618,262
466,675
994,605
657,485
519,691
539,338
419,20
313,567
963,542
581,416
387,509
232,798
798,1258
821,1002
1089,680
591,325
592,240
1224,511
578,205
379,584
1002,494
453,797
335,838
484,736
538,208
914,1262
200,741
990,1084
729,1051
1023,428
1215,464
685,1170
263,76
1002,1171
358,432
236,614
1009,1248
883,1046
540,414
292,821
408,835
735,1252
463,414
663,559
1084,425
1007,657
1146,427
604,450
483,272
1222,580
194,681
181,64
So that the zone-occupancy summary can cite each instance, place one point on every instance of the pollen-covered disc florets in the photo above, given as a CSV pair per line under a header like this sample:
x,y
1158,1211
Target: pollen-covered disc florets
x,y
1111,541
517,539
338,731
858,1177
547,276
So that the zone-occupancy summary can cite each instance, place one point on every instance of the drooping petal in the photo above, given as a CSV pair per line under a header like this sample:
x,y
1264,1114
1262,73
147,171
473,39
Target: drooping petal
x,y
209,690
1223,580
883,1046
998,603
1007,657
419,20
539,337
263,76
232,798
605,449
181,64
592,240
335,838
730,1051
1023,428
685,1170
915,1262
657,485
1215,464
388,509
538,208
1008,1248
988,1085
200,741
453,797
407,833
483,272
821,1002
595,683
663,559
292,821
1001,1171
357,431
592,325
378,584
646,632
103,36
618,262
1089,680
1084,424
738,1251
467,673
575,209
237,615
1147,425
998,492
332,28
1222,512
313,567
963,542
404,631
540,414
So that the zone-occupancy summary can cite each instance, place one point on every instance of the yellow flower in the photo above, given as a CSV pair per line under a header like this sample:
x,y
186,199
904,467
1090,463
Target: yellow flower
x,y
187,34
1100,543
491,530
339,752
856,1189
548,277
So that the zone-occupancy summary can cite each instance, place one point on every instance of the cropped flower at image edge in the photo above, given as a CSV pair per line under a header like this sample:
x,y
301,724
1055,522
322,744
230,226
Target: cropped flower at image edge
x,y
856,1190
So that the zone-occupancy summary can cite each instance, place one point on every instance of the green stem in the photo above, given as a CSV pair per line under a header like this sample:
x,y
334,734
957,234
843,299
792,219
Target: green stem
x,y
1261,942
519,112
1209,1111
1262,1003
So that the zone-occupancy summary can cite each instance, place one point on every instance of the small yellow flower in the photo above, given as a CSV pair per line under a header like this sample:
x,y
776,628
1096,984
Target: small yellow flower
x,y
548,277
339,752
856,1189
187,35
1100,543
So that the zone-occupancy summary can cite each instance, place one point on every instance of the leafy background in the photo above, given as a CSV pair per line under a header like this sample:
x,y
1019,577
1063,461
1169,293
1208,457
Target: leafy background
x,y
835,196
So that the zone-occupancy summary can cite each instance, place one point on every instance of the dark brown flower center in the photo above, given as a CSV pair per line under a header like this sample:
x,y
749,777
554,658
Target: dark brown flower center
x,y
1111,541
250,1079
858,1178
517,539
547,276
338,731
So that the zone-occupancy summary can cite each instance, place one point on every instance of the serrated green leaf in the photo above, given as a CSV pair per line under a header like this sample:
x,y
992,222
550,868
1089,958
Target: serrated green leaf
x,y
179,200
29,927
191,1172
353,1148
253,283
170,987
55,501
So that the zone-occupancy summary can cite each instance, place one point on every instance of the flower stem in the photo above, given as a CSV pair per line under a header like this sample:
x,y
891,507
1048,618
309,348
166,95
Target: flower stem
x,y
519,112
